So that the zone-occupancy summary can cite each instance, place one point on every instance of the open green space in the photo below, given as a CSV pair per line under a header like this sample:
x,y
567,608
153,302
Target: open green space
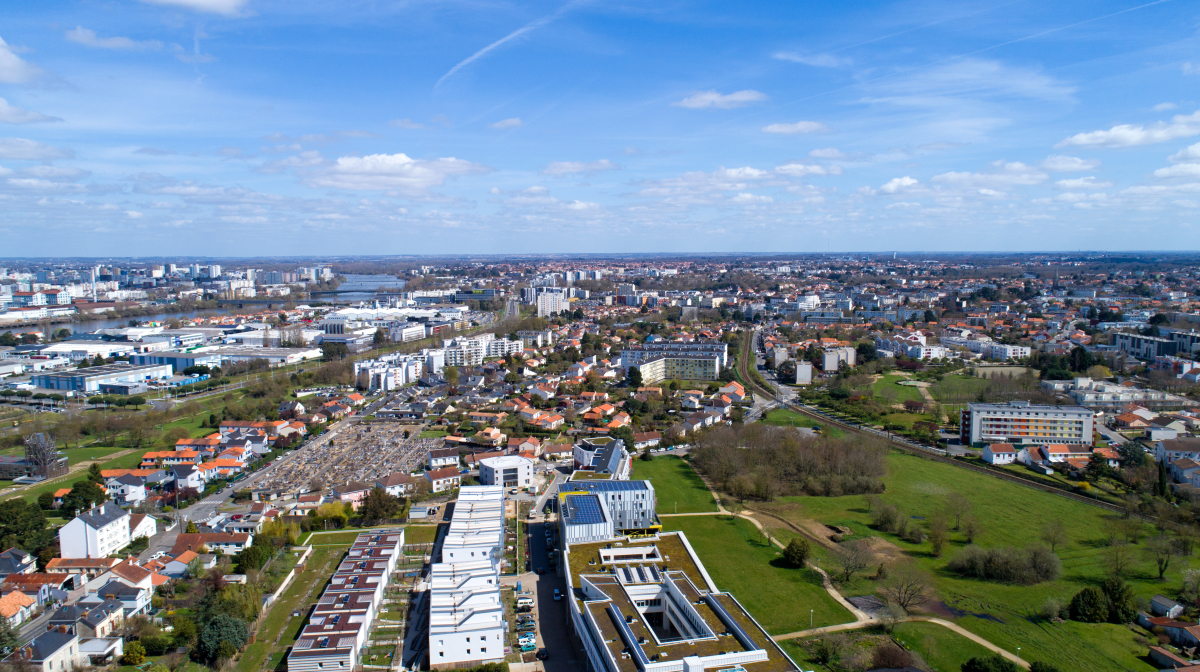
x,y
787,418
958,389
942,648
1010,515
420,534
888,388
676,485
432,434
905,419
740,562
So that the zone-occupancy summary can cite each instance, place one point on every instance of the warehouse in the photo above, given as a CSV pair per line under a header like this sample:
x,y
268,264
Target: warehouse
x,y
90,379
179,360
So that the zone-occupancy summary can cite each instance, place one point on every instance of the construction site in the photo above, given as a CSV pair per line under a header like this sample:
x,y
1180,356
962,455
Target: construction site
x,y
359,452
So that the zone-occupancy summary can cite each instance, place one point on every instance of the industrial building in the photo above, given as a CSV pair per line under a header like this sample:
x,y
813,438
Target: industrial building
x,y
466,613
1020,423
179,361
90,379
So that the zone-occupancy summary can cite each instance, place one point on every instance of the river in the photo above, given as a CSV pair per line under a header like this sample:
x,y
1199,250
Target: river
x,y
361,288
95,325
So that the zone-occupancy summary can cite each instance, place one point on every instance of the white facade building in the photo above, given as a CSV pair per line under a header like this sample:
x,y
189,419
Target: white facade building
x,y
97,533
509,471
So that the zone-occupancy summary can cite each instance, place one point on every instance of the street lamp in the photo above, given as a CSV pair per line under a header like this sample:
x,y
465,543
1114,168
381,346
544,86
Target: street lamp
x,y
810,618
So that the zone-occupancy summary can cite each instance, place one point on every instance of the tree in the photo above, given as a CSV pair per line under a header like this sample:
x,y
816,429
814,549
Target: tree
x,y
94,474
334,351
221,628
1089,605
380,337
797,552
1097,467
378,505
9,639
185,631
907,585
958,506
250,558
1122,607
1054,533
992,663
46,501
1119,559
135,654
136,402
939,534
191,528
851,556
83,495
450,373
1161,549
634,376
971,528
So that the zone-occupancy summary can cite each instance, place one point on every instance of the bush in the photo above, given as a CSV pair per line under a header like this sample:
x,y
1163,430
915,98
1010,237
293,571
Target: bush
x,y
220,630
1122,603
797,552
135,654
1027,566
992,663
1089,605
155,644
1053,608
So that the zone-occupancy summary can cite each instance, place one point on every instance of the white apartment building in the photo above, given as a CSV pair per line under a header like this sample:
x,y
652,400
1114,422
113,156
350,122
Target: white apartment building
x,y
97,533
472,351
1103,394
509,471
1022,423
466,613
550,303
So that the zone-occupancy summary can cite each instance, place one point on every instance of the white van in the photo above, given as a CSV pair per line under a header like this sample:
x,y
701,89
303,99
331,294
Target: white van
x,y
524,601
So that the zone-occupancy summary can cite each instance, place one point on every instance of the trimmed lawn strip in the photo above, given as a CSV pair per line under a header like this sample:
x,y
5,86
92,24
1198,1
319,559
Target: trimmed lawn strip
x,y
740,563
900,393
784,417
675,484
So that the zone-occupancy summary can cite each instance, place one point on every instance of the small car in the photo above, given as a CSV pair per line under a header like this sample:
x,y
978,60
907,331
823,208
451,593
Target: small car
x,y
557,595
526,648
543,654
541,570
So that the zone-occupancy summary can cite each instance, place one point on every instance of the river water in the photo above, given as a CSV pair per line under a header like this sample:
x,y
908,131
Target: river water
x,y
95,325
362,288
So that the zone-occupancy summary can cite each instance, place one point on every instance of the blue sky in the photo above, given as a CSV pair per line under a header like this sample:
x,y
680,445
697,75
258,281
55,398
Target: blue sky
x,y
251,127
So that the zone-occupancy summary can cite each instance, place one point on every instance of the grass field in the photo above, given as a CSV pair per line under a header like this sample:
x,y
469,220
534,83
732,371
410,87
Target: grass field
x,y
906,419
942,649
786,418
420,534
740,562
432,434
957,389
1011,515
887,385
676,484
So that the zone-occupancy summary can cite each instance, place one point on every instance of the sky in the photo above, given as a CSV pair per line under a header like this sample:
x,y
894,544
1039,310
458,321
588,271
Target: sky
x,y
290,127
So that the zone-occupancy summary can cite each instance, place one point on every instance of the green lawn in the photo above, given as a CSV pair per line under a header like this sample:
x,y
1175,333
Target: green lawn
x,y
88,454
420,534
906,419
739,562
784,417
432,434
1011,515
676,485
889,387
942,649
958,389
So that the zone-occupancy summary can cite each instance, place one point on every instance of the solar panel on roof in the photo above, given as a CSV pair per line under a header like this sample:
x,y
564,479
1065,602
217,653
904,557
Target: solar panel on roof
x,y
601,486
628,576
641,574
655,574
584,510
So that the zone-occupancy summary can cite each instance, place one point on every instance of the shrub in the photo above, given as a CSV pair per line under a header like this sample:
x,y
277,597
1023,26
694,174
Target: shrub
x,y
797,552
1053,608
992,663
134,654
1122,606
1010,565
1090,605
221,629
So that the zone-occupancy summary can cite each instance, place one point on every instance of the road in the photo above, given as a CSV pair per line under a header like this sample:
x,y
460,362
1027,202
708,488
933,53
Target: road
x,y
1113,437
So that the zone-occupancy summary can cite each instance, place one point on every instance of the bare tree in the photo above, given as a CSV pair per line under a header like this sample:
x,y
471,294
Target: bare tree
x,y
1055,534
907,586
852,556
939,534
971,528
958,506
1161,549
1119,559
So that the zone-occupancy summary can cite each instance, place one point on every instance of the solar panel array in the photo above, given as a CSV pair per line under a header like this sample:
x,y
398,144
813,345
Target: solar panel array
x,y
602,486
584,510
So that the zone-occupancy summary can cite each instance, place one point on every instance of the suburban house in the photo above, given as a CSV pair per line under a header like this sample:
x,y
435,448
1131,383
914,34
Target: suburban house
x,y
440,458
1000,453
353,492
225,542
1174,449
441,480
397,484
17,607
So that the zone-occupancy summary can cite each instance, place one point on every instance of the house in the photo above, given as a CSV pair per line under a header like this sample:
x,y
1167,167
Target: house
x,y
1173,449
1000,453
291,409
127,490
441,480
397,485
440,458
353,492
98,621
1185,470
142,526
43,587
86,568
550,422
17,607
1163,606
51,651
528,444
229,543
645,440
187,477
489,436
16,561
135,600
734,391
96,533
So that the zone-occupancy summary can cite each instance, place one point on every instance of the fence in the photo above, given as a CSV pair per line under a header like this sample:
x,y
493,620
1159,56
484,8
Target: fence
x,y
287,580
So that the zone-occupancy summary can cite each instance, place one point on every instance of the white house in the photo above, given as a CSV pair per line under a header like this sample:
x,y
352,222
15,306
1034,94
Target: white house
x,y
127,490
441,480
97,533
1000,453
141,525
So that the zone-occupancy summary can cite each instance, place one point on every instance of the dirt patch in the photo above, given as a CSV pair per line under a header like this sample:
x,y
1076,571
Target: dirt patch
x,y
884,551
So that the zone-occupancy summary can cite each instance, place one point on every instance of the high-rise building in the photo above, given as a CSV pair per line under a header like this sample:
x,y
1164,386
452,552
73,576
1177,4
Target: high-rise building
x,y
1020,422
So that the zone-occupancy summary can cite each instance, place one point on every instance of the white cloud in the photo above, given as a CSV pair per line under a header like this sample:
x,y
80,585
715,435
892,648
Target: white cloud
x,y
1069,164
1073,197
88,38
902,205
1129,135
898,183
11,114
134,214
1082,183
724,101
798,127
815,60
582,205
396,172
750,199
699,183
560,168
827,153
506,123
306,159
992,192
801,169
13,68
1005,174
241,219
55,172
1186,154
1164,107
1189,69
227,7
29,150
406,123
1179,170
973,78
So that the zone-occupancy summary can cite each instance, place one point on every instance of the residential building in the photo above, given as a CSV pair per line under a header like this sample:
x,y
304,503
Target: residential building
x,y
603,455
96,533
509,471
1019,422
1000,453
1146,347
441,480
626,507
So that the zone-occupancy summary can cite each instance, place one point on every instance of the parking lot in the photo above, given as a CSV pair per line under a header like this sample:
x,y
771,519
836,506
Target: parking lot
x,y
551,614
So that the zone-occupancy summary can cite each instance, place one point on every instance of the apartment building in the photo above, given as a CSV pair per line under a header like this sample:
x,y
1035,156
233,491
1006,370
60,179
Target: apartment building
x,y
679,366
1022,423
509,471
96,533
1146,347
635,354
472,351
620,507
466,613
602,456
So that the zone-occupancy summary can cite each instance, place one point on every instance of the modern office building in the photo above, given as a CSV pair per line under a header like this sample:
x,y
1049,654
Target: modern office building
x,y
649,605
509,471
90,379
1147,347
466,613
624,507
1022,423
602,456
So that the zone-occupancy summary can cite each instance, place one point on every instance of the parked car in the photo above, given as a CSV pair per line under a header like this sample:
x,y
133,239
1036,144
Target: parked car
x,y
526,648
541,570
543,654
557,595
524,609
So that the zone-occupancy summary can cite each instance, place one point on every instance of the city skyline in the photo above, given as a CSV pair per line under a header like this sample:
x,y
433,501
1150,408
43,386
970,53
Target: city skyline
x,y
234,128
